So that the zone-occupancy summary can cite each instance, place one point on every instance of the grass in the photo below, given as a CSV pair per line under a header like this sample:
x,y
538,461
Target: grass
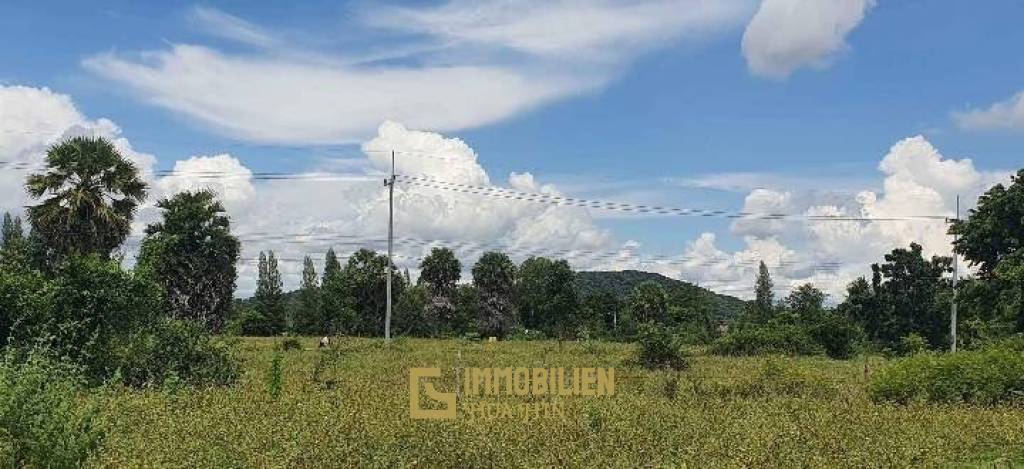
x,y
349,407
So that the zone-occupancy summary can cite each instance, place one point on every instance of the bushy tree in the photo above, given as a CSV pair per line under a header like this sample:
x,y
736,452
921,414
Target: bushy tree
x,y
440,272
546,297
192,254
600,311
648,302
89,194
806,303
365,276
908,294
494,277
995,228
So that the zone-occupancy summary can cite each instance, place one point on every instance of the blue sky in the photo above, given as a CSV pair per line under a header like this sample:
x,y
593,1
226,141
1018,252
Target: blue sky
x,y
668,118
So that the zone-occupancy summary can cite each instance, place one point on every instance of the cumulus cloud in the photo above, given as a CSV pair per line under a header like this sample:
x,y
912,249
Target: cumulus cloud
x,y
1008,114
32,119
785,35
458,75
311,212
919,188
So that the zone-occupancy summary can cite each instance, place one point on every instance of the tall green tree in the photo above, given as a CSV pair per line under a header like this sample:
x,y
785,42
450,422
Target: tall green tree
x,y
913,296
440,272
494,277
365,274
269,298
332,268
308,319
547,298
806,302
192,254
89,193
648,302
12,232
995,228
764,296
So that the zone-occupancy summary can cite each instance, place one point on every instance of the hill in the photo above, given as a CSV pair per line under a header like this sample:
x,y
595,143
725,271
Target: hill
x,y
622,283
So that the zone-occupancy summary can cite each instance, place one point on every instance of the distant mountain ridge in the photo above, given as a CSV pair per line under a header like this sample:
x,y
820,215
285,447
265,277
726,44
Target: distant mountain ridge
x,y
622,282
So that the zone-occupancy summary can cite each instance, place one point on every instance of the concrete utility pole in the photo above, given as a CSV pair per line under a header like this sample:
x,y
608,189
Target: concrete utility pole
x,y
956,274
390,182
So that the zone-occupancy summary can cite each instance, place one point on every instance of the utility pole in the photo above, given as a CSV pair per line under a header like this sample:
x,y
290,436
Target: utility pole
x,y
390,182
956,274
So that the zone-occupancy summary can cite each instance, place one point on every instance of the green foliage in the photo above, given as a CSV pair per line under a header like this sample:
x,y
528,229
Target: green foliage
x,y
177,350
274,377
289,344
44,421
648,302
365,282
995,228
907,294
659,348
763,309
85,310
192,255
782,339
838,336
546,298
90,193
912,344
11,233
307,317
268,302
494,277
988,376
681,294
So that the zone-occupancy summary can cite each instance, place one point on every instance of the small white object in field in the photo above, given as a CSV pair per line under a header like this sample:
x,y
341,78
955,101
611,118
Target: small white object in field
x,y
325,342
492,339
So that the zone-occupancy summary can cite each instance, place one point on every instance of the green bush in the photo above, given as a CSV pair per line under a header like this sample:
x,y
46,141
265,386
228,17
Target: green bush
x,y
290,343
838,337
989,376
659,348
174,349
87,306
912,344
44,422
782,339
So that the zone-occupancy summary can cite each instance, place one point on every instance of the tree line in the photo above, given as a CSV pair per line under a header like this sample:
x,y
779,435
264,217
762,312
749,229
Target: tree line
x,y
88,195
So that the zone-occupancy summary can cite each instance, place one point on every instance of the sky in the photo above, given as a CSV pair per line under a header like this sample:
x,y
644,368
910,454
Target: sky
x,y
875,114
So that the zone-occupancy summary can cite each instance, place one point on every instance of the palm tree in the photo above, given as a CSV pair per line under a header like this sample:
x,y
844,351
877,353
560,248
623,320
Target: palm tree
x,y
91,195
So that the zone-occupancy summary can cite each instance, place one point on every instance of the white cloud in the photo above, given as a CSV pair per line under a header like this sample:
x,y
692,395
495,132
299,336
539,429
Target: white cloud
x,y
918,182
1007,114
275,100
565,29
456,74
32,119
306,216
786,35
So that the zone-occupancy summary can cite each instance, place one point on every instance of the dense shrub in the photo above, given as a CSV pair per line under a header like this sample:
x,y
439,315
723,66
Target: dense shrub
x,y
174,349
659,348
82,311
783,339
839,338
290,343
989,376
43,420
520,333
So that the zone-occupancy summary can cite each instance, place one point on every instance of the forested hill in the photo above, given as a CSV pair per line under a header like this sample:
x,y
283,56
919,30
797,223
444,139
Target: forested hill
x,y
622,283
